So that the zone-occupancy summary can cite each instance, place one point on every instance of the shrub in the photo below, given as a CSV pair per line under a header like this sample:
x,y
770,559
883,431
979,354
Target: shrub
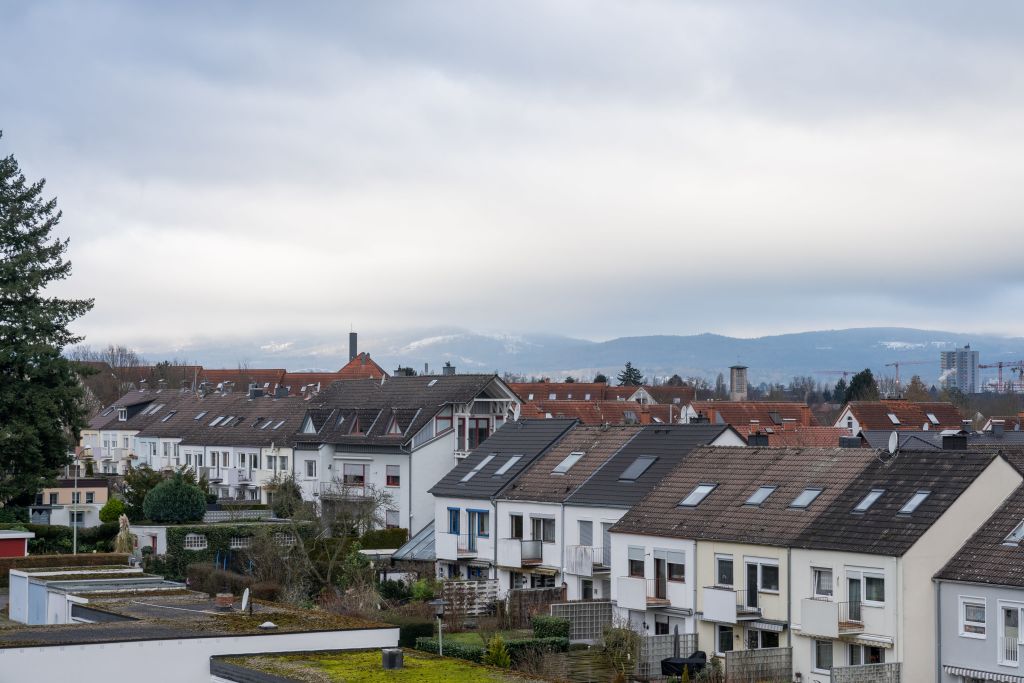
x,y
524,649
394,590
497,654
112,510
425,589
550,627
384,538
175,501
472,653
13,514
207,578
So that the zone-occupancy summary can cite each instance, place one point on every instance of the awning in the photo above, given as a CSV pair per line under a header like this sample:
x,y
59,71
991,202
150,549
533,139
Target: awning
x,y
870,641
541,571
776,626
983,675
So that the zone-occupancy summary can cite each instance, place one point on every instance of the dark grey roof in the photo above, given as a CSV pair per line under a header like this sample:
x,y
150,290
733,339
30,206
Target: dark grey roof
x,y
141,408
525,438
669,444
411,401
932,439
246,428
419,548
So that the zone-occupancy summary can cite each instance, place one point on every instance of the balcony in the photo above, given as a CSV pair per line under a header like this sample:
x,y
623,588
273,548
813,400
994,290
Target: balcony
x,y
517,553
1009,651
823,617
330,489
727,606
638,593
585,560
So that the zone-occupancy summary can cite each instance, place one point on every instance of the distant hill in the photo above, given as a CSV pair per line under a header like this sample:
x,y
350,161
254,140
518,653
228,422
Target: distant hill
x,y
773,358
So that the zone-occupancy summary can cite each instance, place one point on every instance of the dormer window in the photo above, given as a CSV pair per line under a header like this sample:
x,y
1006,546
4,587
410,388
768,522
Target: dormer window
x,y
697,495
122,414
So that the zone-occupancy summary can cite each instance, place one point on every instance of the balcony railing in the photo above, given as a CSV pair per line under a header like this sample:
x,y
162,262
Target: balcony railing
x,y
586,560
748,603
657,592
331,489
851,617
466,545
1009,650
533,553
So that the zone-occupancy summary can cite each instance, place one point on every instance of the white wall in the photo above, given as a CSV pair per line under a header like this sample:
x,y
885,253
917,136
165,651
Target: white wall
x,y
169,661
681,595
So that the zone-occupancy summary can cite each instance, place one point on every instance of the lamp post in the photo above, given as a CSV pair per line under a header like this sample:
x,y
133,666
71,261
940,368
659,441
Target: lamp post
x,y
439,606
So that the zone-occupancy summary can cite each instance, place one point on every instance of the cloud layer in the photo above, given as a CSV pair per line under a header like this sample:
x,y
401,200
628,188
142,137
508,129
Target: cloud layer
x,y
590,168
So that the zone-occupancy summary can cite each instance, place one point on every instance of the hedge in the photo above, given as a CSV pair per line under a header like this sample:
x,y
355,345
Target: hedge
x,y
545,626
175,563
211,580
174,501
384,538
41,561
53,539
473,653
409,633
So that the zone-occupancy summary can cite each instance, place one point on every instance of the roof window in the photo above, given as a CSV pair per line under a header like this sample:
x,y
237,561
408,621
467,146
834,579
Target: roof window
x,y
431,382
629,417
267,423
931,418
227,419
567,462
637,467
760,495
914,502
1016,536
278,424
169,415
216,420
508,465
892,418
697,495
479,466
201,415
806,497
869,500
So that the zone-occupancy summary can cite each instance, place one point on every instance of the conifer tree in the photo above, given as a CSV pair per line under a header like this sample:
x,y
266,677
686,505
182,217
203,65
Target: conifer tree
x,y
41,398
630,376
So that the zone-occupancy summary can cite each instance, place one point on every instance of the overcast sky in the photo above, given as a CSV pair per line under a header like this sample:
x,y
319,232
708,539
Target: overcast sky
x,y
594,169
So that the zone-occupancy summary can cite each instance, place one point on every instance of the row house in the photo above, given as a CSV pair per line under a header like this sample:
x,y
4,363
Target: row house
x,y
397,435
899,414
468,540
981,601
605,412
664,394
109,440
71,502
764,416
829,551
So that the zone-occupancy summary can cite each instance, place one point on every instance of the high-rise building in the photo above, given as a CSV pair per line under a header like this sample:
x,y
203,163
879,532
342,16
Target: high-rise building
x,y
738,383
960,370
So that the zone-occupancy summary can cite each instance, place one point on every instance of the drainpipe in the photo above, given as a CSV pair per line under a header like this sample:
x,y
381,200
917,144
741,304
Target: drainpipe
x,y
789,595
938,629
561,543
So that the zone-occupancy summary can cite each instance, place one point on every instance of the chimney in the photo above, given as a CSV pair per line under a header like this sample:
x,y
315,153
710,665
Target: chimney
x,y
161,384
998,428
255,391
758,440
954,442
849,442
966,425
362,358
353,349
645,414
426,368
448,369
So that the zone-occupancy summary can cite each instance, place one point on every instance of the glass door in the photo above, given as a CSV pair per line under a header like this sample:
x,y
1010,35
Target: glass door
x,y
474,529
853,594
751,585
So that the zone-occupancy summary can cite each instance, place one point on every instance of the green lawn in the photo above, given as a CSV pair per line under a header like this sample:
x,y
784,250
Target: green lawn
x,y
475,638
365,666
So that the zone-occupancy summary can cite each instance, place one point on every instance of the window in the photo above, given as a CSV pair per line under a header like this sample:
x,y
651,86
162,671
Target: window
x,y
543,529
393,475
479,466
195,542
166,417
822,656
483,523
201,415
126,438
122,414
914,502
77,518
757,640
805,498
869,500
763,576
866,654
267,424
76,497
931,418
227,420
453,520
636,561
676,570
90,497
724,639
285,538
723,570
629,417
278,425
353,474
238,542
586,589
972,617
637,467
697,495
586,397
431,382
53,499
892,418
508,465
823,582
874,588
515,523
391,520
225,459
311,469
216,420
1014,537
567,462
760,495
551,396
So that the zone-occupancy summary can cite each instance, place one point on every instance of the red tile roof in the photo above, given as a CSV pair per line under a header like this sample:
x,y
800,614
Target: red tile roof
x,y
763,413
602,412
361,367
911,415
563,391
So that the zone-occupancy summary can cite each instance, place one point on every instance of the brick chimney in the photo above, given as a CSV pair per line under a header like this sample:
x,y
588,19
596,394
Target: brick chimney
x,y
645,414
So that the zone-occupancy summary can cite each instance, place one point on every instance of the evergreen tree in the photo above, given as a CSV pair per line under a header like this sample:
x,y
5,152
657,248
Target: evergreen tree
x,y
862,387
916,390
839,391
630,376
600,378
41,398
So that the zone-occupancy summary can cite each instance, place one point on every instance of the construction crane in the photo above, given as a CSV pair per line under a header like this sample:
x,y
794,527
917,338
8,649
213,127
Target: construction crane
x,y
1016,366
844,373
898,363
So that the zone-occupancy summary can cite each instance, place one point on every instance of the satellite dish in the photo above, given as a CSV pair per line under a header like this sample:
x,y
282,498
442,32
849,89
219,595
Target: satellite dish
x,y
245,600
894,442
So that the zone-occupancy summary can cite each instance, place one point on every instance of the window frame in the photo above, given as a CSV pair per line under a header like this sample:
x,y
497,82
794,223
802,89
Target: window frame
x,y
512,517
761,563
864,576
393,480
732,570
545,523
815,572
454,521
815,663
311,471
720,630
963,601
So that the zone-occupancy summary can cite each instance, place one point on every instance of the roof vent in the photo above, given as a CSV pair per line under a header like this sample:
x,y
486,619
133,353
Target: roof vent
x,y
998,428
954,442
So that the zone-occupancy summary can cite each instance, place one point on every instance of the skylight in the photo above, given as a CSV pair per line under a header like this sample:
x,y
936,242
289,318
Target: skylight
x,y
168,416
201,415
914,502
697,495
508,465
227,419
568,462
267,424
805,498
869,500
431,382
1016,536
156,408
216,420
637,467
931,418
479,466
760,495
108,411
892,418
278,424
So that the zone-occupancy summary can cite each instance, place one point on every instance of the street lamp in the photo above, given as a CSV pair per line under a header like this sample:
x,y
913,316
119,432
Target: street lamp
x,y
439,606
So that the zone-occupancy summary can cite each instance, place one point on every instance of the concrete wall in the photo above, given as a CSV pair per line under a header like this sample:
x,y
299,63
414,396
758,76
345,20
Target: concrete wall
x,y
931,552
169,661
974,651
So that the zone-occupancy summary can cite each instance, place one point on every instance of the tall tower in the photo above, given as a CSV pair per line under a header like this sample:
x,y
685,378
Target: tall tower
x,y
353,350
960,370
738,383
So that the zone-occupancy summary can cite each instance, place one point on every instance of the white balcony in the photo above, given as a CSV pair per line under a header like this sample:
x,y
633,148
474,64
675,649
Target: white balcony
x,y
585,560
727,606
517,553
448,546
1009,651
637,593
823,617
